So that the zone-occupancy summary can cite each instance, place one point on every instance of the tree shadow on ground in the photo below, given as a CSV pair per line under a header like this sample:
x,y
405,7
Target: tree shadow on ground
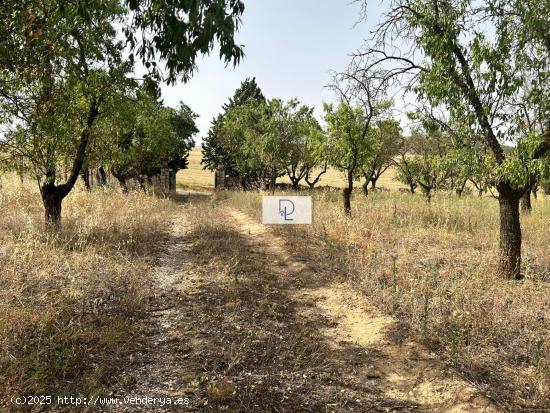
x,y
253,346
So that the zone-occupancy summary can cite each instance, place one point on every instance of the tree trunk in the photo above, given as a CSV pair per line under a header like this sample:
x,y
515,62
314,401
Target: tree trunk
x,y
526,206
460,189
373,183
295,183
141,183
412,187
427,190
366,188
51,198
52,195
272,181
347,194
510,232
121,178
101,176
86,178
314,182
123,184
347,201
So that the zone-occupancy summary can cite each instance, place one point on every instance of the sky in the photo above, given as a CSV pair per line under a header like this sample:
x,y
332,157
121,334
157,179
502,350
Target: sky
x,y
290,47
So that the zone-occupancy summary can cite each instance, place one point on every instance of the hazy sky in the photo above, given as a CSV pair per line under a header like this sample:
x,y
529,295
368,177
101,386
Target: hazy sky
x,y
290,46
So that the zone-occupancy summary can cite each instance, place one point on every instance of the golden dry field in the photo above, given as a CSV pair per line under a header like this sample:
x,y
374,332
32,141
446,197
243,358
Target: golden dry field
x,y
433,267
196,177
398,307
70,301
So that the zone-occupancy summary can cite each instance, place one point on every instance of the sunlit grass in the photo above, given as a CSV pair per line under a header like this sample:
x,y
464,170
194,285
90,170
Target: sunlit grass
x,y
433,266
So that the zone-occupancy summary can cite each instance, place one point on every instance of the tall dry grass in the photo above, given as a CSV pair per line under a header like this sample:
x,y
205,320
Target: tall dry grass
x,y
433,266
69,301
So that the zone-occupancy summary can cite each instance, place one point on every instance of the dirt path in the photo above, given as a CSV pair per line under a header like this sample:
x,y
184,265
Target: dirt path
x,y
404,371
158,370
237,323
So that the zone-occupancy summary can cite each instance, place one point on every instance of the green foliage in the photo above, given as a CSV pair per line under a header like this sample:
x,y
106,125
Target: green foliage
x,y
496,78
69,68
176,31
386,143
219,149
359,141
348,146
258,140
63,69
147,137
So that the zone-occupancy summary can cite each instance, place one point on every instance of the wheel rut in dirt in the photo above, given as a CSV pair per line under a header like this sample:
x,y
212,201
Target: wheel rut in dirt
x,y
402,371
237,323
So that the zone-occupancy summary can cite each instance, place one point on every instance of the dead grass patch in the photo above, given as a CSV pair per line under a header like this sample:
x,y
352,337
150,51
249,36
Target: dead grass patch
x,y
433,266
69,301
254,346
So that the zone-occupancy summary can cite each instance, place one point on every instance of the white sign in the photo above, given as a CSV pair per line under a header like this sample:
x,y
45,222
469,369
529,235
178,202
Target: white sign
x,y
286,210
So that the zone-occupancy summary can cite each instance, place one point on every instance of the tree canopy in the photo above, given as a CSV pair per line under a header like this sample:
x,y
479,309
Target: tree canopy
x,y
75,59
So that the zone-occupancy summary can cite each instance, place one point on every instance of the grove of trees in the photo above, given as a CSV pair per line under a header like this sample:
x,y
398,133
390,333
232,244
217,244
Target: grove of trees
x,y
71,102
68,85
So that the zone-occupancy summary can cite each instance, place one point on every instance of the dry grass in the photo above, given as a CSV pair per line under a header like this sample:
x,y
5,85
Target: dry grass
x,y
255,346
195,177
69,301
433,267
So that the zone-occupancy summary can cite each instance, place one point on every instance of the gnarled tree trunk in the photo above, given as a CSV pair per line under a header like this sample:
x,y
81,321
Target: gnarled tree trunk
x,y
52,194
526,206
373,181
510,232
347,194
123,183
366,188
101,176
86,178
52,197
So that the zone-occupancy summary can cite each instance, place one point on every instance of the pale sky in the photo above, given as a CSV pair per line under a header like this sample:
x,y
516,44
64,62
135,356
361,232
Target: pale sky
x,y
290,47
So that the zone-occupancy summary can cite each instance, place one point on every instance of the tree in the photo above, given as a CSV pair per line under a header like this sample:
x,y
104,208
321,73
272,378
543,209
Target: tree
x,y
218,149
350,137
184,128
406,170
142,137
53,91
386,145
302,131
62,63
316,156
243,131
348,146
478,62
429,162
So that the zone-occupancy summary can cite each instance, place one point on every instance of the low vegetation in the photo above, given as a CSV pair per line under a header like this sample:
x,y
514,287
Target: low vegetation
x,y
432,265
70,301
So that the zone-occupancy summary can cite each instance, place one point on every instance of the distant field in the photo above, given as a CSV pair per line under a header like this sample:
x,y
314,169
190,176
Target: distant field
x,y
195,176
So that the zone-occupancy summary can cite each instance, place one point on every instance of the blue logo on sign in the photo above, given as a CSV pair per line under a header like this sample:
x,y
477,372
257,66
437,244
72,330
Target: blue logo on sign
x,y
286,208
